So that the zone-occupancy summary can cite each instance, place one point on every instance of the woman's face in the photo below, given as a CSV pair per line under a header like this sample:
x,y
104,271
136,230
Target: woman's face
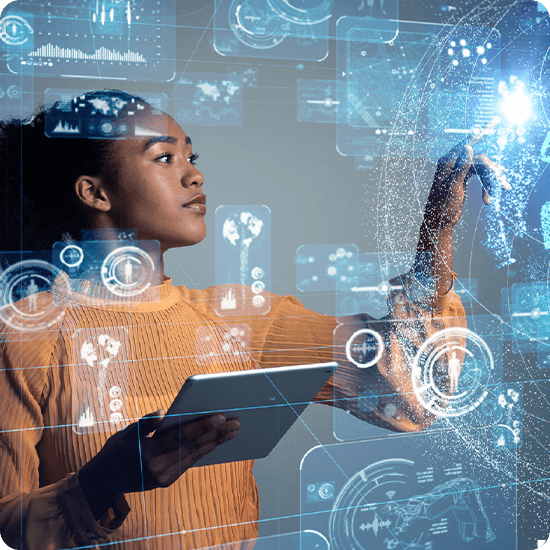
x,y
159,188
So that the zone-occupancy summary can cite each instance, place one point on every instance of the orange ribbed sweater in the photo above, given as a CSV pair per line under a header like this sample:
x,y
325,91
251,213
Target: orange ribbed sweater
x,y
41,381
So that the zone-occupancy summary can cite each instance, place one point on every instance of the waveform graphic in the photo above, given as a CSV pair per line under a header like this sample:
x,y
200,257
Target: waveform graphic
x,y
375,525
102,54
364,348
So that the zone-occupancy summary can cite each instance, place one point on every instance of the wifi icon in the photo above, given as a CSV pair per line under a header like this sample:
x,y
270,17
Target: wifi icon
x,y
390,494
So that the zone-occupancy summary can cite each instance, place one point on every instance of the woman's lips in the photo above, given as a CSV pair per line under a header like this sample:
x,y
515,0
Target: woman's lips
x,y
197,203
198,207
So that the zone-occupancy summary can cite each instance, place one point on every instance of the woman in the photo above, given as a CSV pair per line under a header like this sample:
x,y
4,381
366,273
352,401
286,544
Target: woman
x,y
136,490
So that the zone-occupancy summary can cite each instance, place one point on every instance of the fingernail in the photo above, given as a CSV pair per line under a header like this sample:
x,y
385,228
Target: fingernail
x,y
218,420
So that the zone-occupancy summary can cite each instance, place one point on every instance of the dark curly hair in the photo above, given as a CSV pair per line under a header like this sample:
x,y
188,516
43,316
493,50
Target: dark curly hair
x,y
38,201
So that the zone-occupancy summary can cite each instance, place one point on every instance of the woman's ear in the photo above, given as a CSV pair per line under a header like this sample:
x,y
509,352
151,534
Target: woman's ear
x,y
91,191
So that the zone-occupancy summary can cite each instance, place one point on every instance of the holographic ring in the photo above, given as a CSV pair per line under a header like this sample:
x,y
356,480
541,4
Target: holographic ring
x,y
70,248
424,378
379,351
113,262
46,315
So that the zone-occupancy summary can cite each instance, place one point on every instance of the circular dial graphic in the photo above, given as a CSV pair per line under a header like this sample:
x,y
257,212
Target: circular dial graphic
x,y
443,386
256,25
364,348
127,271
30,301
15,31
72,256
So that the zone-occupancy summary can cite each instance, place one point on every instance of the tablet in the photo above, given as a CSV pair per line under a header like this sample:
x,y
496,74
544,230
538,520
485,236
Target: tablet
x,y
266,401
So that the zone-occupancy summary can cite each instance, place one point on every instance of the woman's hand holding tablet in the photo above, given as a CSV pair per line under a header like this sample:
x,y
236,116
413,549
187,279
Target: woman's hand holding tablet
x,y
135,459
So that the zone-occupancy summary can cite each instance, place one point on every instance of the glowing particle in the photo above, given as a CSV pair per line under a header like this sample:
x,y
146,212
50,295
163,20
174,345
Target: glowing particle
x,y
466,52
480,50
516,107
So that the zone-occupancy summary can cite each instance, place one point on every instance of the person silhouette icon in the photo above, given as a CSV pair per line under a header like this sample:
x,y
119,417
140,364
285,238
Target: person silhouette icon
x,y
454,369
31,292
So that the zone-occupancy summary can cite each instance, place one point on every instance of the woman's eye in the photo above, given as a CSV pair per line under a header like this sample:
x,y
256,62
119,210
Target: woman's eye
x,y
193,159
166,158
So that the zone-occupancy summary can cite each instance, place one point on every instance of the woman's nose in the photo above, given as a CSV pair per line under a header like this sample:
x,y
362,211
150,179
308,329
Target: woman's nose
x,y
195,178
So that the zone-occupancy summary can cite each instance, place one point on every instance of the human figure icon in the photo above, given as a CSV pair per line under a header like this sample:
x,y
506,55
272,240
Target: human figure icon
x,y
454,369
32,290
128,272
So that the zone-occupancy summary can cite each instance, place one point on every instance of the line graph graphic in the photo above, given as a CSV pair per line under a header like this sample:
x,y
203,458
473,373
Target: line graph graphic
x,y
118,39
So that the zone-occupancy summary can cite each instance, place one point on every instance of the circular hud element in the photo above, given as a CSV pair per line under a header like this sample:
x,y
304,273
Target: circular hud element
x,y
255,24
387,502
437,368
72,255
27,300
14,30
303,12
127,271
364,348
358,520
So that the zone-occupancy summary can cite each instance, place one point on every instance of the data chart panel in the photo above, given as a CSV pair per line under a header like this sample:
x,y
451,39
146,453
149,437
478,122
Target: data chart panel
x,y
526,306
118,39
16,90
243,260
424,83
280,29
122,270
317,265
100,370
209,99
317,101
107,114
429,491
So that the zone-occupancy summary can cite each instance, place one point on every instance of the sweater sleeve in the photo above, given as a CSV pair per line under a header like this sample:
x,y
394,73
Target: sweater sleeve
x,y
381,395
34,517
384,394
